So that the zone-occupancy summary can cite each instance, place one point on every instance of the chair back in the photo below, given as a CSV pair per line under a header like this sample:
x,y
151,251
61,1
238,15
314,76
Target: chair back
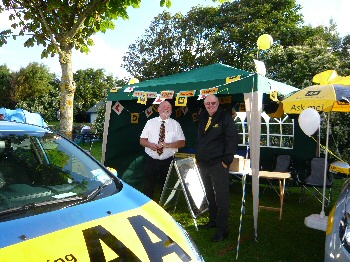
x,y
317,173
282,163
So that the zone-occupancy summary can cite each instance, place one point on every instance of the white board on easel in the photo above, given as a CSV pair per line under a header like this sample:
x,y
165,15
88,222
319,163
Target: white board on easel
x,y
189,182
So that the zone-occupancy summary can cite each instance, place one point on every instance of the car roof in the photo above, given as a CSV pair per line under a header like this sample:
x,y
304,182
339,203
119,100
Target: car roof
x,y
15,128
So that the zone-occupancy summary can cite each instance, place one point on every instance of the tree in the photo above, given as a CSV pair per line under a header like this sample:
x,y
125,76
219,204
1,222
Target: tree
x,y
36,90
226,34
91,87
61,26
32,81
6,99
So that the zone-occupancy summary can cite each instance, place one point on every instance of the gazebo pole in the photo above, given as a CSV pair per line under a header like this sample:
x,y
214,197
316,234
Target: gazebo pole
x,y
325,167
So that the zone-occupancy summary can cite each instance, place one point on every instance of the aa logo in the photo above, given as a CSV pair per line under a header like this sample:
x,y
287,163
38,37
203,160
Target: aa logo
x,y
181,101
312,93
155,251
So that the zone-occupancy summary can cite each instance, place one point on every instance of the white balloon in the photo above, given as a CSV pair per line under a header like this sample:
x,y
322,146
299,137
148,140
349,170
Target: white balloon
x,y
309,121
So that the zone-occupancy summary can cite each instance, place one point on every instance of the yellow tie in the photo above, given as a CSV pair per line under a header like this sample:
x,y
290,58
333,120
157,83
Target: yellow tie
x,y
208,124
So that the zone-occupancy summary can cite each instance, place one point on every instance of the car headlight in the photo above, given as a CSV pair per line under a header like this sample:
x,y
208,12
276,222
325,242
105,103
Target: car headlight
x,y
197,255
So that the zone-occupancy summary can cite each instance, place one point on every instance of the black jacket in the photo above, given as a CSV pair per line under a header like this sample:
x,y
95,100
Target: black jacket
x,y
219,143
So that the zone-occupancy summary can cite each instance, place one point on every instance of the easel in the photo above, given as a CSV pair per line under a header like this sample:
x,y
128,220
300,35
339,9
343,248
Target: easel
x,y
192,186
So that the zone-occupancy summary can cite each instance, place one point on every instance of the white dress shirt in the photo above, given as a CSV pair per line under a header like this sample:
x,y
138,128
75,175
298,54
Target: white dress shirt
x,y
173,133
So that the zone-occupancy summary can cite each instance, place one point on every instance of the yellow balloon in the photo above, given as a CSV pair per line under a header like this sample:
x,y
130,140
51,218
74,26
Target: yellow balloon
x,y
264,42
133,81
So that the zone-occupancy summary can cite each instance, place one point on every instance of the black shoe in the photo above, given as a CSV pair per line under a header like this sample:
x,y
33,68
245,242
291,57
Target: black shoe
x,y
207,225
219,237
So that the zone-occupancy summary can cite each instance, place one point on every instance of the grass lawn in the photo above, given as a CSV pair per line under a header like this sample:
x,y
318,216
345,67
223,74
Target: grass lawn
x,y
278,240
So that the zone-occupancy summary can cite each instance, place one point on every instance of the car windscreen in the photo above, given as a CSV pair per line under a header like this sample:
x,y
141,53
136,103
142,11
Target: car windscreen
x,y
38,169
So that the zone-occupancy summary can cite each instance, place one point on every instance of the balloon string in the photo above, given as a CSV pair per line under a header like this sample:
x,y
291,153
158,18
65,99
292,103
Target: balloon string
x,y
329,151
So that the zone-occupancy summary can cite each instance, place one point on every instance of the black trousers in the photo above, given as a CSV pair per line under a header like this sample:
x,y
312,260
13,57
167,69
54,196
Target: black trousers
x,y
155,170
216,182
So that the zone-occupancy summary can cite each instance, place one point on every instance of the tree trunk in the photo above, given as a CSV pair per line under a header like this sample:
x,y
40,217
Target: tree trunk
x,y
67,86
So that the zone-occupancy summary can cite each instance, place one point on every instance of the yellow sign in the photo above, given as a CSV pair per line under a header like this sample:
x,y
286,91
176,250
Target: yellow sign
x,y
232,79
135,118
115,89
225,100
209,91
181,101
151,94
241,107
138,93
142,99
167,94
187,93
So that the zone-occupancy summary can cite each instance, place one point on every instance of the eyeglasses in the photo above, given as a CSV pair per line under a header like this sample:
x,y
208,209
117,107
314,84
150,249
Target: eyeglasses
x,y
212,103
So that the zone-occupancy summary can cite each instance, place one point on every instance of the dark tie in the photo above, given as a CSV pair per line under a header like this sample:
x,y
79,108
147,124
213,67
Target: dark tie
x,y
161,137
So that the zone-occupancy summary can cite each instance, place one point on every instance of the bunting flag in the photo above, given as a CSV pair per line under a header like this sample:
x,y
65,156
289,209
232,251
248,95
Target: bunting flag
x,y
129,89
167,94
142,99
181,101
135,118
118,108
158,100
201,97
149,111
151,95
187,93
209,91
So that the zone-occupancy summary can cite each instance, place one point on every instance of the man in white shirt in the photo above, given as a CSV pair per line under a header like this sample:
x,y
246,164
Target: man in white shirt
x,y
160,152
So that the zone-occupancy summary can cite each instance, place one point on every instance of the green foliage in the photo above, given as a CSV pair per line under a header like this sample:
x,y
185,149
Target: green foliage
x,y
32,81
91,87
98,125
36,89
6,99
63,23
207,35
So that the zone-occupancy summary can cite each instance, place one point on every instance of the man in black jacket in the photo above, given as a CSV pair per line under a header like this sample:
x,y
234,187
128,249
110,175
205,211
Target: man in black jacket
x,y
217,144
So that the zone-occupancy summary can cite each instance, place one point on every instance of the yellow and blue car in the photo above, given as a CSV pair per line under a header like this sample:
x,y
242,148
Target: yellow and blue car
x,y
57,203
